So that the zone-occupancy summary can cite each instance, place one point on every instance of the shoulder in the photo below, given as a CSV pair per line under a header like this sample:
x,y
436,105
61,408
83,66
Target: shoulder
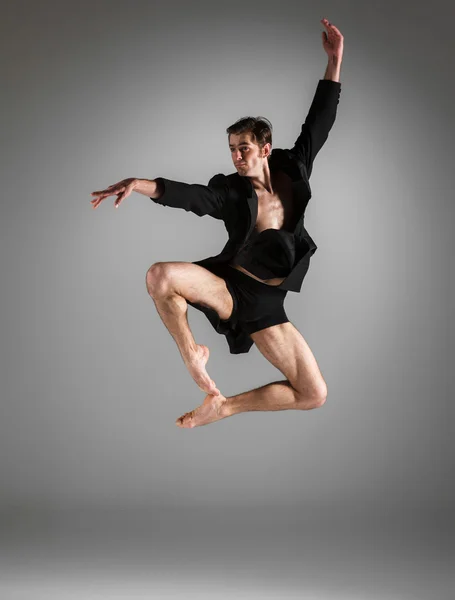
x,y
280,157
218,180
232,182
283,159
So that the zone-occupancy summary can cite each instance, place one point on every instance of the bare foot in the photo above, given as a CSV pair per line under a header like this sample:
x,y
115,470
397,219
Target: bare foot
x,y
212,409
196,366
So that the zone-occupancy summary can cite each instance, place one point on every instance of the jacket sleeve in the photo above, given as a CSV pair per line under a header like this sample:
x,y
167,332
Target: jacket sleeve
x,y
318,122
193,197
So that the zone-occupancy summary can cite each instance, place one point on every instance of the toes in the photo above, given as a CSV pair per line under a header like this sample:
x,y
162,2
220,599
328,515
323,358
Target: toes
x,y
184,419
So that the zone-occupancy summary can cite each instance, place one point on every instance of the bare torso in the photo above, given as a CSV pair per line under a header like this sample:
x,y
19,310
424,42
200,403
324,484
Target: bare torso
x,y
275,211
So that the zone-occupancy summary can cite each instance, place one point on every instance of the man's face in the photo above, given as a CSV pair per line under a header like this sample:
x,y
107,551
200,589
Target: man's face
x,y
246,155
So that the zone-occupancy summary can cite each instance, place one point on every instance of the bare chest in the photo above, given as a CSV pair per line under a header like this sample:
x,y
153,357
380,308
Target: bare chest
x,y
277,210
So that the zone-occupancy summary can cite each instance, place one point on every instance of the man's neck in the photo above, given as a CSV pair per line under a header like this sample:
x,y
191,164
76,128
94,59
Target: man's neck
x,y
265,181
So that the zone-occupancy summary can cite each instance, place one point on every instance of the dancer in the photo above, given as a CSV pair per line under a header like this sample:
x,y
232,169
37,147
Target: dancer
x,y
242,289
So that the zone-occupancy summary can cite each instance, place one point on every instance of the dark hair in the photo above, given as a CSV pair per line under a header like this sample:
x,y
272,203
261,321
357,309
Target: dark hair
x,y
259,127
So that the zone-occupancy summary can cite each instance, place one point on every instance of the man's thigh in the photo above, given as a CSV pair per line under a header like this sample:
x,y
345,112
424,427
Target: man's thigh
x,y
285,347
193,282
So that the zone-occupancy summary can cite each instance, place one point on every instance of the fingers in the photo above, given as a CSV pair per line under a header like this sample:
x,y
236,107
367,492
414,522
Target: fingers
x,y
120,190
127,191
120,198
108,188
110,191
331,28
117,189
102,195
119,193
327,23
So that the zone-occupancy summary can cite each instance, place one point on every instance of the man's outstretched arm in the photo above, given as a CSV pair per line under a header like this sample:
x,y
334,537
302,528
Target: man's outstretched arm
x,y
193,197
200,199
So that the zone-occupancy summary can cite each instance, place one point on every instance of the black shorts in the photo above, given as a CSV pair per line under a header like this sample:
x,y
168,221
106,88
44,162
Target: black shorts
x,y
257,306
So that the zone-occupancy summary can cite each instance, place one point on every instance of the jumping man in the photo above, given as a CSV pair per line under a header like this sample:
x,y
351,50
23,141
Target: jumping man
x,y
242,289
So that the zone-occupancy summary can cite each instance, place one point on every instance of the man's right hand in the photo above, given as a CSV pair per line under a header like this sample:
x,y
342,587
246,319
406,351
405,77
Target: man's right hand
x,y
122,190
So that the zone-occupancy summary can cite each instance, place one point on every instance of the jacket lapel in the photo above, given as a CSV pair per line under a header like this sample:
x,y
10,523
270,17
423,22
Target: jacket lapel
x,y
252,200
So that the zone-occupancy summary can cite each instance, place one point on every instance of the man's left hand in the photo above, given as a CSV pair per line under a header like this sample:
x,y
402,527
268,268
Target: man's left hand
x,y
332,40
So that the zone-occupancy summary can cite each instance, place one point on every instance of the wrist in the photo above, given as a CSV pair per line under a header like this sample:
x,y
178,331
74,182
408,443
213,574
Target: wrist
x,y
332,71
137,183
148,187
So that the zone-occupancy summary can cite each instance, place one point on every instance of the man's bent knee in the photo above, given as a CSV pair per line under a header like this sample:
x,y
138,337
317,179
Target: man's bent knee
x,y
158,278
195,283
315,401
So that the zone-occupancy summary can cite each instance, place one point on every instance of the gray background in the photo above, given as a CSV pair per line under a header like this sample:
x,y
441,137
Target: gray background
x,y
352,500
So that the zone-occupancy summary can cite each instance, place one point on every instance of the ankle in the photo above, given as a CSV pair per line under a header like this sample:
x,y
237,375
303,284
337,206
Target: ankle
x,y
190,351
227,408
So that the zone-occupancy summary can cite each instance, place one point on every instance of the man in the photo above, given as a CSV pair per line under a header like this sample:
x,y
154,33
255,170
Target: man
x,y
242,289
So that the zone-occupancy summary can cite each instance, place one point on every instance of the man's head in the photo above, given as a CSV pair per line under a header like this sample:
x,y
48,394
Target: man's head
x,y
250,143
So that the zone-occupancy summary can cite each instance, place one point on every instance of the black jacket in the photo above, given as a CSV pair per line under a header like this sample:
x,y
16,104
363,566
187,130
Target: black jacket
x,y
232,198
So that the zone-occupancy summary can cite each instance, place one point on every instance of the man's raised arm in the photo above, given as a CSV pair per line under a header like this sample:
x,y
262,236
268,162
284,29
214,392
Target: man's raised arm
x,y
323,109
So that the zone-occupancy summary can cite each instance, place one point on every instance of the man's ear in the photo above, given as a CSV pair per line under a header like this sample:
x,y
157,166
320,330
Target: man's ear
x,y
266,150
